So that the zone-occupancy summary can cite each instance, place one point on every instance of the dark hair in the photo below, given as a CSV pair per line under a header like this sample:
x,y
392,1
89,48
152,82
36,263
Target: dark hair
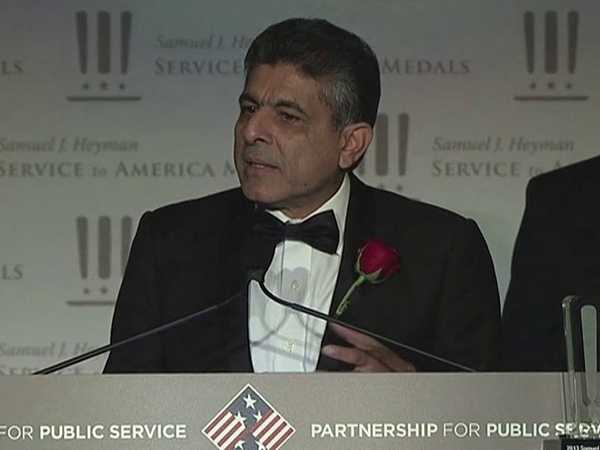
x,y
328,53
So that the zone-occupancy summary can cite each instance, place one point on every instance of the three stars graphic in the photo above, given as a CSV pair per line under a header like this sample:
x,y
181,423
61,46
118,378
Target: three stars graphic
x,y
249,401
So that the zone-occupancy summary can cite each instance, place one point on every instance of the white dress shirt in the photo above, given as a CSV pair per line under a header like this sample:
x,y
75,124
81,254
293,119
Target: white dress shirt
x,y
283,340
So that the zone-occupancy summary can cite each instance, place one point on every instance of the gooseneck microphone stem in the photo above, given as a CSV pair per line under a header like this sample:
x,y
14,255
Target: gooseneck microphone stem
x,y
260,279
320,315
129,340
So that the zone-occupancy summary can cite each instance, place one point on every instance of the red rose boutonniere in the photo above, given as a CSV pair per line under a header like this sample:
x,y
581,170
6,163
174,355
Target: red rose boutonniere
x,y
375,263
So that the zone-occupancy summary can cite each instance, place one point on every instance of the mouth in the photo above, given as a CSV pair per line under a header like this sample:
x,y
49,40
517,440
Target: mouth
x,y
257,164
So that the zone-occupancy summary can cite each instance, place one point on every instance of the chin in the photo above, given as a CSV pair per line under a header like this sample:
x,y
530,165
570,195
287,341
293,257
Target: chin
x,y
255,194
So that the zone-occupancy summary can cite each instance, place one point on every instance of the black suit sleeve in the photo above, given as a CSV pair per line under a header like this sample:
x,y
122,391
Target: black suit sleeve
x,y
138,307
468,319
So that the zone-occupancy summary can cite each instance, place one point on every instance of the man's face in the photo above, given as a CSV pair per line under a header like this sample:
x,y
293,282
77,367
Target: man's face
x,y
286,148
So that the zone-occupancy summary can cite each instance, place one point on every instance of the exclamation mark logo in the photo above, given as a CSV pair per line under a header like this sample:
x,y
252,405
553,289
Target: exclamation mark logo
x,y
82,246
104,250
573,27
551,44
103,42
111,69
382,147
530,42
102,272
554,65
82,40
383,159
403,122
125,40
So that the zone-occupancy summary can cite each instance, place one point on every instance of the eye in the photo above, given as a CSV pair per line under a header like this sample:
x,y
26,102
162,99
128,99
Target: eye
x,y
288,117
247,108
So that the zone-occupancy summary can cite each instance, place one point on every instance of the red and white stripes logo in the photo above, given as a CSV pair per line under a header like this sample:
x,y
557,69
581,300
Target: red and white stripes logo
x,y
248,422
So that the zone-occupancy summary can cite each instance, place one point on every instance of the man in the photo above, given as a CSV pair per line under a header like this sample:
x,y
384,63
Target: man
x,y
306,118
556,254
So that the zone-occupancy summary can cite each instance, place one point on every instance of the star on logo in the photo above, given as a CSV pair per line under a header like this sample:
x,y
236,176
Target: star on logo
x,y
249,401
240,418
260,445
257,416
240,445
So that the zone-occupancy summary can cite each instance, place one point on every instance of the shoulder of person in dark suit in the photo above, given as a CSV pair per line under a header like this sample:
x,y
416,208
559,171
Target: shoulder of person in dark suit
x,y
571,182
169,244
204,214
553,257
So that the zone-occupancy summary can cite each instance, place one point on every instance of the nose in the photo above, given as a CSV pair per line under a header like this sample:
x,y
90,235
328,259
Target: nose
x,y
257,127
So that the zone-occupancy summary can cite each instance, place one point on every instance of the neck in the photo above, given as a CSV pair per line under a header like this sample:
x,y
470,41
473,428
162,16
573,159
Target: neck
x,y
301,211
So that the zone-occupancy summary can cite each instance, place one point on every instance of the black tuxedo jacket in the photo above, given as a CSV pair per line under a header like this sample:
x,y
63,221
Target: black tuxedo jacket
x,y
557,253
188,256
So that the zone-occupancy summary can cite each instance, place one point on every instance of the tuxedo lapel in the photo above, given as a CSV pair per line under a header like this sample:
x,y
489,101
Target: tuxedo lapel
x,y
232,270
358,228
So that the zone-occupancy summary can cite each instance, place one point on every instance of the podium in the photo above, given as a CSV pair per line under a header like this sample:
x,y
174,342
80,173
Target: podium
x,y
416,411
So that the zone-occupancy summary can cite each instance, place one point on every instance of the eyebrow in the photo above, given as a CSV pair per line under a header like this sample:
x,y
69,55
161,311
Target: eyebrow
x,y
246,97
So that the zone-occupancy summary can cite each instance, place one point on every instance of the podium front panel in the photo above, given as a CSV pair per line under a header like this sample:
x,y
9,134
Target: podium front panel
x,y
250,411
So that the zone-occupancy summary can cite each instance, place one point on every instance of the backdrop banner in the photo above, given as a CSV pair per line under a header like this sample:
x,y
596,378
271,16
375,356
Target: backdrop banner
x,y
110,111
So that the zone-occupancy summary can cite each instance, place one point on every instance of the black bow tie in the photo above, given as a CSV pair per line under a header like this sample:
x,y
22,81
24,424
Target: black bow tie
x,y
320,231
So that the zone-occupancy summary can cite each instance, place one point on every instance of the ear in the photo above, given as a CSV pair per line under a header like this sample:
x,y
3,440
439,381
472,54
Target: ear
x,y
354,140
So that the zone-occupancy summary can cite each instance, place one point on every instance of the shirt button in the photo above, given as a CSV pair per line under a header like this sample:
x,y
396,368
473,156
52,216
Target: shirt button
x,y
295,285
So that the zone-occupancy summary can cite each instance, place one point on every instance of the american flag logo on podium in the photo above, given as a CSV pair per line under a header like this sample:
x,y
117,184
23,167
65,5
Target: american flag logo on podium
x,y
248,422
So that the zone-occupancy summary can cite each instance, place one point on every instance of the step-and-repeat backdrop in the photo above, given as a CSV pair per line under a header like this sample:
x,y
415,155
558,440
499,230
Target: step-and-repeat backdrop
x,y
108,111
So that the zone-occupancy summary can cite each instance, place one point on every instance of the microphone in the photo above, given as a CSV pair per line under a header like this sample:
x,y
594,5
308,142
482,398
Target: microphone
x,y
136,337
258,275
